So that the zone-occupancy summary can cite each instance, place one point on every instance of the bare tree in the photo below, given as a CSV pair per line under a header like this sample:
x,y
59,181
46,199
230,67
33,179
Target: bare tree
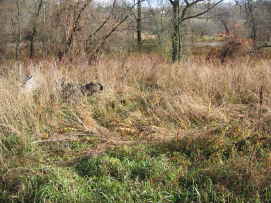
x,y
77,10
19,24
222,15
257,18
139,25
91,36
250,9
93,51
75,27
33,33
16,26
9,28
181,12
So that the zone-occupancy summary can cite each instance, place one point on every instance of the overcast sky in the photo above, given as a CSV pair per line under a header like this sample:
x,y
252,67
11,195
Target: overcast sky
x,y
154,2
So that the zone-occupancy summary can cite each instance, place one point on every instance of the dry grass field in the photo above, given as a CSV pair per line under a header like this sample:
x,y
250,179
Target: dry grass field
x,y
158,132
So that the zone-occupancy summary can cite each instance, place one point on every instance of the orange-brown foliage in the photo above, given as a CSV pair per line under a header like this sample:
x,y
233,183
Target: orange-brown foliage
x,y
234,48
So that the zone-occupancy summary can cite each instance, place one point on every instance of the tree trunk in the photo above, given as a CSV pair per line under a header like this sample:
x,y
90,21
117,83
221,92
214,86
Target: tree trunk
x,y
31,51
225,25
175,34
139,25
34,29
179,18
75,27
180,41
19,36
250,14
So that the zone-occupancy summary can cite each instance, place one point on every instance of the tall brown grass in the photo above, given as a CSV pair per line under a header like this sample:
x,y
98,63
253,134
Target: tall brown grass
x,y
167,93
144,99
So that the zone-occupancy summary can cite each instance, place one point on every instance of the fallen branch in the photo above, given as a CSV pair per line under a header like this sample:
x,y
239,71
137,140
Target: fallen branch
x,y
56,140
263,46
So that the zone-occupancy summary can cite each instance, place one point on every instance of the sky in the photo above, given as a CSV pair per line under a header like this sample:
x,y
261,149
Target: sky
x,y
154,2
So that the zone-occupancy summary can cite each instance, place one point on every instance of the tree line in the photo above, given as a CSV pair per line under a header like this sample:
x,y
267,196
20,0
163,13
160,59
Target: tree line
x,y
68,28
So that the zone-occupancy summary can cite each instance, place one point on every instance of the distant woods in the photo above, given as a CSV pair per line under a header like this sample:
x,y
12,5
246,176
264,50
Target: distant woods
x,y
88,28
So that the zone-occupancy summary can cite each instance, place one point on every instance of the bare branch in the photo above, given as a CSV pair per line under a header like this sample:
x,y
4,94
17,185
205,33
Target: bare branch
x,y
109,34
115,27
75,27
34,29
203,12
263,46
101,26
188,5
